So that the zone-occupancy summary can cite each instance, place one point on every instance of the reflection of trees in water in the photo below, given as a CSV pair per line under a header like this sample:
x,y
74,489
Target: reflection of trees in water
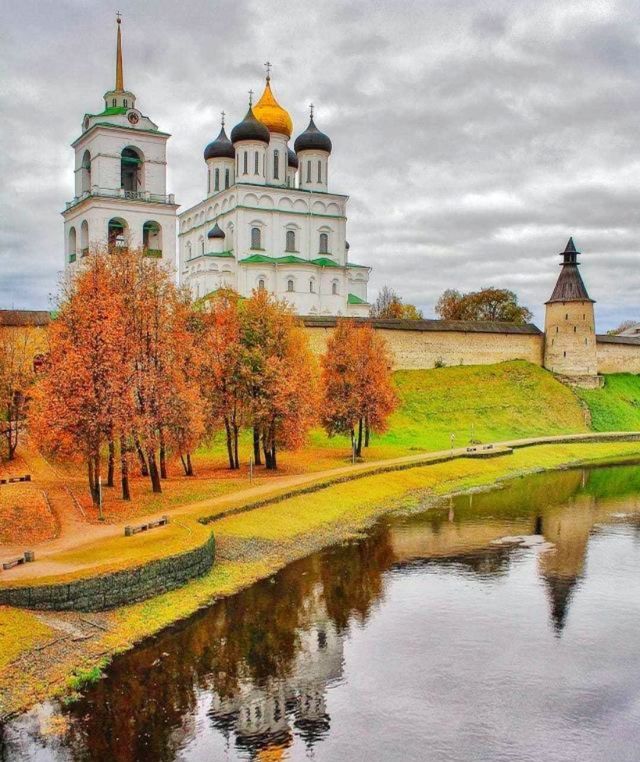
x,y
264,656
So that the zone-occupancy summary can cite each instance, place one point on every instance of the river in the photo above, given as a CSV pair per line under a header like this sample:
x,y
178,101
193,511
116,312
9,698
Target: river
x,y
501,625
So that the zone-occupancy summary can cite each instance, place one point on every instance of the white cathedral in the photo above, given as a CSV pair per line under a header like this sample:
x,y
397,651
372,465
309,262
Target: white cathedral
x,y
267,221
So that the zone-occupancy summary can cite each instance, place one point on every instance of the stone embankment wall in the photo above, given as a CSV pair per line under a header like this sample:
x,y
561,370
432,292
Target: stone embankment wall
x,y
617,354
118,588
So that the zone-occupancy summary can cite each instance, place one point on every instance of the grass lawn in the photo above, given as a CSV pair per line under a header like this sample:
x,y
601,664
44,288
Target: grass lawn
x,y
615,407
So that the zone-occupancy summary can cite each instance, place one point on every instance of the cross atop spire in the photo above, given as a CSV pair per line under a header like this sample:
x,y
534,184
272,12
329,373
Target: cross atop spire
x,y
250,98
311,110
267,66
119,72
222,114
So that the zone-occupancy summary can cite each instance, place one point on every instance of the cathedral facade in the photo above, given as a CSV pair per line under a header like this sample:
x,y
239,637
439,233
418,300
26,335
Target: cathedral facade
x,y
269,220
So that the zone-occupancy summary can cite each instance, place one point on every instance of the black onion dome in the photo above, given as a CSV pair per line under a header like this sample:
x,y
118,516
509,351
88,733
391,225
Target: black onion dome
x,y
216,232
250,129
292,159
220,148
312,140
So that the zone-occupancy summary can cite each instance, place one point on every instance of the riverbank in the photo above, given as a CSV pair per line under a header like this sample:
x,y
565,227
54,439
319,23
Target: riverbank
x,y
43,655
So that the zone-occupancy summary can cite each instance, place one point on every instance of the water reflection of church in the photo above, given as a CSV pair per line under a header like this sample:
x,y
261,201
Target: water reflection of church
x,y
263,715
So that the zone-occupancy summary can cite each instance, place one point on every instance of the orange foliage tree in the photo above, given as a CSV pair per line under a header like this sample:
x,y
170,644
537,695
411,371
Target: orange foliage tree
x,y
120,369
279,375
357,385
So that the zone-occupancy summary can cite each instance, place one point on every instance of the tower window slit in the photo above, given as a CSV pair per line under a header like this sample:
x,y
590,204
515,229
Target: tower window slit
x,y
319,170
246,163
308,171
256,161
217,179
276,162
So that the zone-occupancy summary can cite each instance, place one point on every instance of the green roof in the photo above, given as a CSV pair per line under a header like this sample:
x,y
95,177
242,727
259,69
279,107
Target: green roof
x,y
290,259
353,264
325,262
221,254
353,299
113,111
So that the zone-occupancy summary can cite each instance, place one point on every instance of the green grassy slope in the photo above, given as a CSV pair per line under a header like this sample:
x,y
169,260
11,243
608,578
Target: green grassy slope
x,y
615,407
491,402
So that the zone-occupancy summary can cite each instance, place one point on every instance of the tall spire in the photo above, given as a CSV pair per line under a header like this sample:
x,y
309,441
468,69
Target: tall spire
x,y
570,286
119,74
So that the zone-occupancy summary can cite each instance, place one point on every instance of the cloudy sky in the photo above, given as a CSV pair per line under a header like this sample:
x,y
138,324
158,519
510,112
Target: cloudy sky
x,y
472,137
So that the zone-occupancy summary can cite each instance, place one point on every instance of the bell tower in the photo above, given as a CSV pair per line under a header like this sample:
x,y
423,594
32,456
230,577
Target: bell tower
x,y
570,338
120,180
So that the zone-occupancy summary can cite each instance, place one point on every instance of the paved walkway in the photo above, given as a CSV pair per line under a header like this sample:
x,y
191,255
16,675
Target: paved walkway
x,y
75,533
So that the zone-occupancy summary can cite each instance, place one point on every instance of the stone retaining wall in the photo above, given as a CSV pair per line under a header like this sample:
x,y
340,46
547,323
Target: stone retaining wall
x,y
118,588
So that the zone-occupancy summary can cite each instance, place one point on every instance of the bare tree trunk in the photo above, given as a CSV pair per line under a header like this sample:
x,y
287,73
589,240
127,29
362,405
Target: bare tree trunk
x,y
359,441
236,457
144,469
163,457
189,465
367,431
156,486
256,446
124,470
227,429
111,467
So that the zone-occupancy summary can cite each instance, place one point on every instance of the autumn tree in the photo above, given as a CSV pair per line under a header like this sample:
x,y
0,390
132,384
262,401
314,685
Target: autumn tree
x,y
18,348
495,304
625,325
120,370
357,384
279,374
222,379
389,305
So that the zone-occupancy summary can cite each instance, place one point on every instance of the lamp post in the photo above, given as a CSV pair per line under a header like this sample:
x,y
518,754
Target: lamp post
x,y
453,439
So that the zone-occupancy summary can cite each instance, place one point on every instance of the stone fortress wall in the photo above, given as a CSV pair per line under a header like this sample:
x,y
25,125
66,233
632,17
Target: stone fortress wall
x,y
424,344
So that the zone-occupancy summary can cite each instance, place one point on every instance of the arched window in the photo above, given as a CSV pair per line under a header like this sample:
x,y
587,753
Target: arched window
x,y
152,239
334,288
125,103
130,170
117,230
216,181
308,171
85,173
319,170
227,176
188,249
261,284
84,238
276,164
246,162
72,245
201,242
324,243
291,240
256,162
312,286
290,285
256,238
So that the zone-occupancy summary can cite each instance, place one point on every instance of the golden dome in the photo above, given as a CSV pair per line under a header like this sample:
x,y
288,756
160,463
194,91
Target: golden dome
x,y
268,111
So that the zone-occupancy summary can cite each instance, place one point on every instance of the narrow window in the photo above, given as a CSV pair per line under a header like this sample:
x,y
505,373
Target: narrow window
x,y
564,354
319,170
125,103
557,329
334,289
202,247
291,240
276,162
261,284
227,176
566,317
113,102
256,161
217,179
308,171
311,287
290,286
324,243
575,329
208,181
246,163
255,238
585,341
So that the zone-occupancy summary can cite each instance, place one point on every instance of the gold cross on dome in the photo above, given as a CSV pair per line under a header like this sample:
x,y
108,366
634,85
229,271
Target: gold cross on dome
x,y
267,66
118,16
